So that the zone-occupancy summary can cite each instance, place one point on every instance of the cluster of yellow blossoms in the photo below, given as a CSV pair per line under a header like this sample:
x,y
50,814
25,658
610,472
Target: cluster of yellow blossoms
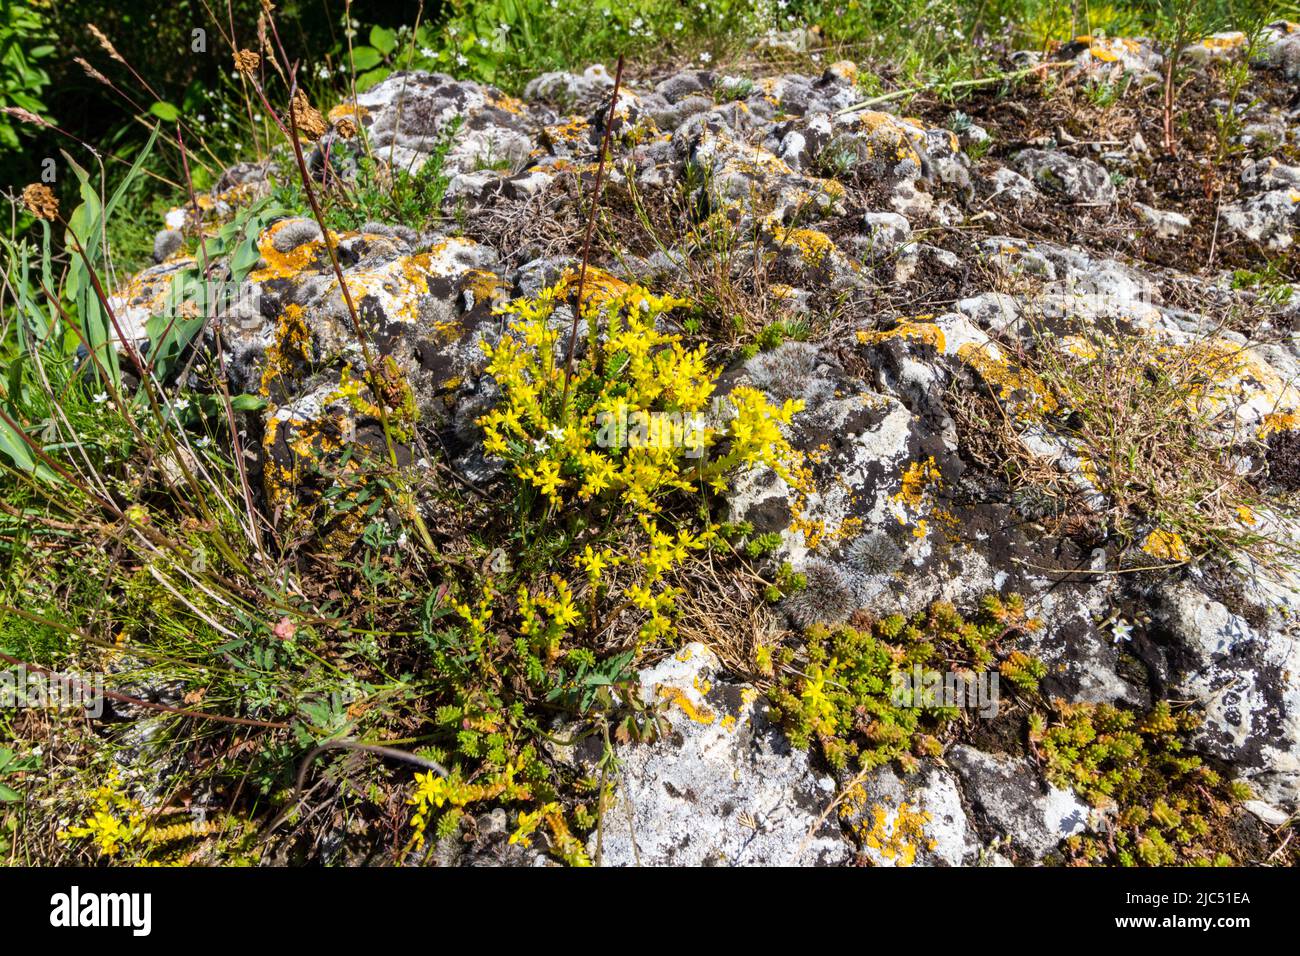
x,y
619,450
634,424
114,822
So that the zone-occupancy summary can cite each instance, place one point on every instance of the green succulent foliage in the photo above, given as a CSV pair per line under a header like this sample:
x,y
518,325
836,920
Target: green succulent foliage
x,y
1162,799
842,696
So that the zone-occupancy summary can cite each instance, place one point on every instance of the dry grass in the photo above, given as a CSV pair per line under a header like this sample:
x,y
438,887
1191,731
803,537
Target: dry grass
x,y
1154,426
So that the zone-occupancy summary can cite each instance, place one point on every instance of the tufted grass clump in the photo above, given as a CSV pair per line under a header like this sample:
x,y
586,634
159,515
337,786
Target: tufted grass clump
x,y
1161,800
1160,431
844,697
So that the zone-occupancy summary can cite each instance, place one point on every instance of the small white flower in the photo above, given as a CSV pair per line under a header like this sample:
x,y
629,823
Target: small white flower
x,y
452,31
503,29
427,52
202,442
1122,630
540,444
462,59
100,398
555,433
705,57
181,404
678,26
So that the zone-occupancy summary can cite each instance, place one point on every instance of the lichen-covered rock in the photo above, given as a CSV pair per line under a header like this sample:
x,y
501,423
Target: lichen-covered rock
x,y
1247,679
1009,802
920,288
1166,224
1269,218
1075,178
1113,55
722,787
927,802
408,115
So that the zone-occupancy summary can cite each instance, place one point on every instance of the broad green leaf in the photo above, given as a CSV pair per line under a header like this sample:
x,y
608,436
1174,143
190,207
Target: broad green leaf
x,y
364,58
366,80
383,40
165,111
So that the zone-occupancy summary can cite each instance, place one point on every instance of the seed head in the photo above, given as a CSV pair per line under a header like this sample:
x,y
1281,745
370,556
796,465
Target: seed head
x,y
41,201
247,61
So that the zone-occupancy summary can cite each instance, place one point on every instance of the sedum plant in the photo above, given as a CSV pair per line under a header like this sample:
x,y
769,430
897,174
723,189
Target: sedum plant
x,y
625,434
609,463
843,698
1159,801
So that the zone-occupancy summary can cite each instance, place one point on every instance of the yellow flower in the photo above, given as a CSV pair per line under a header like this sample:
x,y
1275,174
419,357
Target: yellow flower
x,y
526,827
546,477
593,563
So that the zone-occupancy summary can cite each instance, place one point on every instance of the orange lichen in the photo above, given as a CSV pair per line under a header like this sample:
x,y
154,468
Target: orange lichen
x,y
1278,422
598,288
895,835
352,111
918,330
284,265
292,342
1166,545
814,247
998,372
698,713
888,132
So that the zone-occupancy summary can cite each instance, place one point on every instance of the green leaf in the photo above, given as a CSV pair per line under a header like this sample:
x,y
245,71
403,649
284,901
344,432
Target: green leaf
x,y
383,39
8,794
165,111
366,80
247,403
364,58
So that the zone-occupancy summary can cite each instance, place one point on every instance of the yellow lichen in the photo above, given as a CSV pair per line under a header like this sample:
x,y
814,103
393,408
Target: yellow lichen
x,y
1165,545
919,330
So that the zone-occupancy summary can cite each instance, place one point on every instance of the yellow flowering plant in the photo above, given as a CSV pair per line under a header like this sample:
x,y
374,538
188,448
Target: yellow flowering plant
x,y
633,431
610,462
